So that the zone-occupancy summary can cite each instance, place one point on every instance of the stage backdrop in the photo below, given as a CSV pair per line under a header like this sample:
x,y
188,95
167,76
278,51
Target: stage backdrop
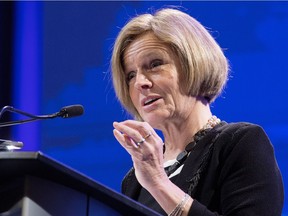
x,y
75,43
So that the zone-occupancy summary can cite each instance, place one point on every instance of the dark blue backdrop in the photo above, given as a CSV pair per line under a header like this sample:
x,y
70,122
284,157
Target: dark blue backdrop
x,y
69,45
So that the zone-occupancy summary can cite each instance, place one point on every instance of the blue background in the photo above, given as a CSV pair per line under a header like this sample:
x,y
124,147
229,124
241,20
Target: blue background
x,y
61,57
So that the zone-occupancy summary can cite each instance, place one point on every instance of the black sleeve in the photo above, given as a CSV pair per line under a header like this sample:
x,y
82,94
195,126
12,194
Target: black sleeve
x,y
250,181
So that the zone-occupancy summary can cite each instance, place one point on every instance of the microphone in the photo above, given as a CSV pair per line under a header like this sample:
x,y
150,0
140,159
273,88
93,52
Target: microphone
x,y
9,145
65,112
71,111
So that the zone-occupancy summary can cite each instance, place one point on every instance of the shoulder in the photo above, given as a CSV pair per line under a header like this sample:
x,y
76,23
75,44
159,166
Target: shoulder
x,y
237,128
244,171
242,137
241,131
245,149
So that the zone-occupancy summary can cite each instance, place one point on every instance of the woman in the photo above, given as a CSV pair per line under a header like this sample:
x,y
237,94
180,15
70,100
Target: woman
x,y
167,70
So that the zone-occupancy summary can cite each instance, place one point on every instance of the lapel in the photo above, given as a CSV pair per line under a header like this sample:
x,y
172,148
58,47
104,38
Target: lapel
x,y
194,160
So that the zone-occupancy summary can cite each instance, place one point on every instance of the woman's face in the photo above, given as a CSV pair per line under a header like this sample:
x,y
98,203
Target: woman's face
x,y
151,70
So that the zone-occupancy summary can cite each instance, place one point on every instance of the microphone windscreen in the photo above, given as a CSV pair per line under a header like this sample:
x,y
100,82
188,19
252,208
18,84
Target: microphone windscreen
x,y
72,111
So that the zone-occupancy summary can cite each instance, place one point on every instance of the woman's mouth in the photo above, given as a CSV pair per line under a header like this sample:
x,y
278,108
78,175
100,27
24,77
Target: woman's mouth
x,y
149,101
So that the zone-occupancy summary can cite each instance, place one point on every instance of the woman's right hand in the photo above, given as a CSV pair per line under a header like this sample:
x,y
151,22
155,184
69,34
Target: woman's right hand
x,y
147,156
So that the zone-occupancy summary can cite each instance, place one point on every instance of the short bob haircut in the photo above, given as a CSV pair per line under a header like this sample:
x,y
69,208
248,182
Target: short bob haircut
x,y
204,68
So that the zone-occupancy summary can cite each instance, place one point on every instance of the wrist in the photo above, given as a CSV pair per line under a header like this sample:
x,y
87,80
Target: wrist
x,y
181,206
159,183
169,196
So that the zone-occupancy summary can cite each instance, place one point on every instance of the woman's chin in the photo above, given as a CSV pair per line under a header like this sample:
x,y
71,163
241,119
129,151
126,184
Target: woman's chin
x,y
154,119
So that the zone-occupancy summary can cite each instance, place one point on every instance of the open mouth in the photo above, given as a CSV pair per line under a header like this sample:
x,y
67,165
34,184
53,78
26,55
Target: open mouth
x,y
150,101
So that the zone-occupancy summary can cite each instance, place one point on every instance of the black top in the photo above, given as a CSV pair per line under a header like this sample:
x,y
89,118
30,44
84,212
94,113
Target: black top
x,y
239,175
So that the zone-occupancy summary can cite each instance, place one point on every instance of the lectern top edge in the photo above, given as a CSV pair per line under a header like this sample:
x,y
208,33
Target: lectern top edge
x,y
15,165
20,155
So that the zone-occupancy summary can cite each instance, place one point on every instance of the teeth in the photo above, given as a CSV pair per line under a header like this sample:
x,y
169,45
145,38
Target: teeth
x,y
148,101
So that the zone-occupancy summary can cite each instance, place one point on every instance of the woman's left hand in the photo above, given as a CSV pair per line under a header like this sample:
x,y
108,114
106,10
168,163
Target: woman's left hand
x,y
146,149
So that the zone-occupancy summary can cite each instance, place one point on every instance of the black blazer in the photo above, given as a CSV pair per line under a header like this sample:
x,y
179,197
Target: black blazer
x,y
241,176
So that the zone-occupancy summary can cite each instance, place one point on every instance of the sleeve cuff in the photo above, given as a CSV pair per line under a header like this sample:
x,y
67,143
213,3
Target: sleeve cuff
x,y
200,210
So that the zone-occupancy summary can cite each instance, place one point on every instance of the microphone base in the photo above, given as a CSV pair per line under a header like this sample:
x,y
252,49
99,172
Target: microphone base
x,y
9,145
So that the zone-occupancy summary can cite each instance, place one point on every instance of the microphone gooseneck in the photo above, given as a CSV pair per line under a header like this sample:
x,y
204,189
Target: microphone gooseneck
x,y
65,112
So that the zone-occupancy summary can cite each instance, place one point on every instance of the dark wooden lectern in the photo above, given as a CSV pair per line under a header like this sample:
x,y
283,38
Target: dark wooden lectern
x,y
32,184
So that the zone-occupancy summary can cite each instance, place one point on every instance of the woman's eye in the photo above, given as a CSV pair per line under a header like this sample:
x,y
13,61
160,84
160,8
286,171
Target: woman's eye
x,y
130,76
156,63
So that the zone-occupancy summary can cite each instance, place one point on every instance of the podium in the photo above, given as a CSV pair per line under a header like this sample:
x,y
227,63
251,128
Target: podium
x,y
33,184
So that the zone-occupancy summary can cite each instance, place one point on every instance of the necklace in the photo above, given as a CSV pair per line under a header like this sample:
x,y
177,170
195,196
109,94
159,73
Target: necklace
x,y
182,156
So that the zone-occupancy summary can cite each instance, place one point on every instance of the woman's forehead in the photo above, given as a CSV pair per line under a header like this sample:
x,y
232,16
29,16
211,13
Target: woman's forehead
x,y
145,45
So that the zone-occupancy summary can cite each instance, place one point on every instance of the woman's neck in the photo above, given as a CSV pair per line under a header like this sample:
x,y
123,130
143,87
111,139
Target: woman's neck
x,y
179,133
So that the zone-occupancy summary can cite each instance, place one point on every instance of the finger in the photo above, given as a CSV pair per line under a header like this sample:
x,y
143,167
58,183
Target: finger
x,y
124,140
145,130
143,127
149,133
129,131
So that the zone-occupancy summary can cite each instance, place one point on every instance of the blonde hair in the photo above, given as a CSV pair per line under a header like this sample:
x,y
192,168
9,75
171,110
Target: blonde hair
x,y
204,68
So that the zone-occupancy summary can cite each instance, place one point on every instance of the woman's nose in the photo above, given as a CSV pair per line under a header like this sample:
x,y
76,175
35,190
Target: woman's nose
x,y
142,82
